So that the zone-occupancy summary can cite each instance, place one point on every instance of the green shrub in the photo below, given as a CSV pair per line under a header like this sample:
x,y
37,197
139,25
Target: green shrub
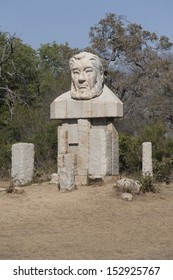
x,y
147,184
5,160
30,125
130,154
156,134
162,151
162,170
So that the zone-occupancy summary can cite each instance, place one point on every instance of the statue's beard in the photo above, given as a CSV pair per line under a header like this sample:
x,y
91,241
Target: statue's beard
x,y
86,93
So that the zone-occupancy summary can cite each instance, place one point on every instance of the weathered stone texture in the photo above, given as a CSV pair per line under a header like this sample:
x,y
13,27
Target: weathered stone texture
x,y
128,185
115,148
54,178
60,161
90,147
103,106
22,163
66,179
70,161
147,167
81,180
83,146
62,140
100,153
127,196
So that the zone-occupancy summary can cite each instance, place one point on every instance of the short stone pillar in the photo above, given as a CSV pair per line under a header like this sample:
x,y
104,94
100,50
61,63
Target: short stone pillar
x,y
22,163
147,167
88,146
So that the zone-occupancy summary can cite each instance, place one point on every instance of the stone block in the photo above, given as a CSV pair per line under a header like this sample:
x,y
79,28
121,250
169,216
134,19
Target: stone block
x,y
72,133
73,148
83,146
70,161
58,109
100,153
128,185
105,105
62,140
54,178
22,163
98,111
60,161
147,167
81,180
115,148
78,109
127,196
66,179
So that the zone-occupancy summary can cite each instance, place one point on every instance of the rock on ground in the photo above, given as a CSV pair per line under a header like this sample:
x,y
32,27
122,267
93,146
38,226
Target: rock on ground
x,y
54,178
128,185
127,196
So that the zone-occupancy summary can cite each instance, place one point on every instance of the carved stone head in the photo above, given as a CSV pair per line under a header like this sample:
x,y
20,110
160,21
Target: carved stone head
x,y
87,76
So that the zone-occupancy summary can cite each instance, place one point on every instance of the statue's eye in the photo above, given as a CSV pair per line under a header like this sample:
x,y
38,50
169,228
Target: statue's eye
x,y
89,70
75,72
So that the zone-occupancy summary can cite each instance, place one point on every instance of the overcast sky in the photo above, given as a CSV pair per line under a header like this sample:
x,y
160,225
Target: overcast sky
x,y
38,22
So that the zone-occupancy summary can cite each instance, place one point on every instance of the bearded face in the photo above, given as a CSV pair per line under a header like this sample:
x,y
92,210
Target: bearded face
x,y
87,76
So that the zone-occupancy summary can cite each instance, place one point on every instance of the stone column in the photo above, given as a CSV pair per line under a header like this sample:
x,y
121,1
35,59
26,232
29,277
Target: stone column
x,y
83,151
22,163
147,168
66,159
115,148
100,153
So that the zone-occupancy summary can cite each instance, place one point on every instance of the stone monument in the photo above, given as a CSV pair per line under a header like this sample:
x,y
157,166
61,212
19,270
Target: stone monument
x,y
147,166
88,144
22,169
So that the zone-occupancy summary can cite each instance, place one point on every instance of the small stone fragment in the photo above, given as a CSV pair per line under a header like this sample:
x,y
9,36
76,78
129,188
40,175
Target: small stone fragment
x,y
127,196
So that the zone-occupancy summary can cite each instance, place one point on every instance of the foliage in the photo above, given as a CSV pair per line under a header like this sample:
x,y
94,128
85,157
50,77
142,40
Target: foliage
x,y
162,170
54,72
18,75
147,184
29,82
162,151
29,125
130,154
5,158
156,134
138,68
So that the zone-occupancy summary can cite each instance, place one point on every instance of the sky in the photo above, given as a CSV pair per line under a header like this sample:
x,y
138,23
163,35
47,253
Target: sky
x,y
39,22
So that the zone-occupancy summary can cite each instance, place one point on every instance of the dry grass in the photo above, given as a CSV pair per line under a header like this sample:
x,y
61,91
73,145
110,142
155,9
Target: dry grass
x,y
88,223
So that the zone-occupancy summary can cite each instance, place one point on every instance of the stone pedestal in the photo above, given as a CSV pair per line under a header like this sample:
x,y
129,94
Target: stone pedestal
x,y
147,167
87,139
22,163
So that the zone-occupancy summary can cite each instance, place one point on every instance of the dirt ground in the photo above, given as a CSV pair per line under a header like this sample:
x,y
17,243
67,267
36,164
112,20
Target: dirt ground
x,y
88,223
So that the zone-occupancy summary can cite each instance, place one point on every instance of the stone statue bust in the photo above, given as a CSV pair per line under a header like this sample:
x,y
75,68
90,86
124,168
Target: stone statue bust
x,y
87,76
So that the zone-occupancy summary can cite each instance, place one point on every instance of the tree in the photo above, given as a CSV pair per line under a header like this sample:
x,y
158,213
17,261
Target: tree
x,y
29,82
138,68
54,72
18,73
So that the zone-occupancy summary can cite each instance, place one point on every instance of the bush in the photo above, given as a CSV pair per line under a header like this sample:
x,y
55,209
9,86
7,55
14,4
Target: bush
x,y
30,125
130,154
147,184
5,160
162,151
162,170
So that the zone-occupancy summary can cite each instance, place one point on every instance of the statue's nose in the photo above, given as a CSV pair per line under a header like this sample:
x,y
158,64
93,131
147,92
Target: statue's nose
x,y
82,77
